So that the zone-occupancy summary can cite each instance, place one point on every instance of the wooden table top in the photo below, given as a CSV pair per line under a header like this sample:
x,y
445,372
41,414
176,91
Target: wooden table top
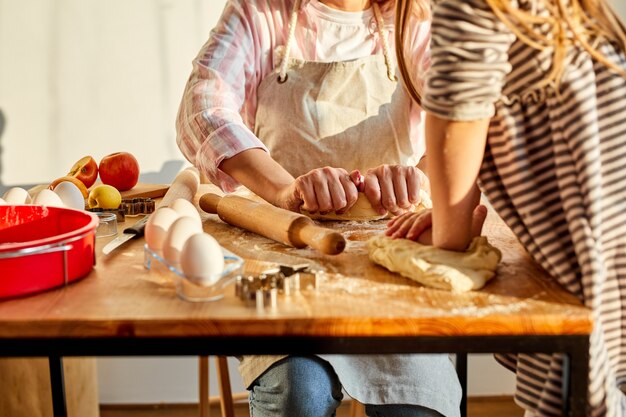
x,y
120,298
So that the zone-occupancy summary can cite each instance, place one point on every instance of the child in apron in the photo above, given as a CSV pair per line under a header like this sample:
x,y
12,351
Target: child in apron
x,y
313,119
536,92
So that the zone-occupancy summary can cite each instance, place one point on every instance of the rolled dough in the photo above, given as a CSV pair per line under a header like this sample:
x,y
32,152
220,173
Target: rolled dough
x,y
437,268
362,210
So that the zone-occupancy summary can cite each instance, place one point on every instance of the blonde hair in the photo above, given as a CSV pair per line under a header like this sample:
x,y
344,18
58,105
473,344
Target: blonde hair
x,y
576,22
420,9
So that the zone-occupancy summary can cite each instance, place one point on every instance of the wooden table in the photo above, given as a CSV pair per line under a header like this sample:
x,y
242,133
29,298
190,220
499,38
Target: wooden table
x,y
121,308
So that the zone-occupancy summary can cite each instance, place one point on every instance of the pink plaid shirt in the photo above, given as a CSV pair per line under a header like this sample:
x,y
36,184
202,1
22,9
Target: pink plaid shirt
x,y
217,112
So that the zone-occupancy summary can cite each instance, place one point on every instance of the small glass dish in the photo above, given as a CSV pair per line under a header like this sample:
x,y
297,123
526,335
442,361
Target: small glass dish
x,y
107,225
189,291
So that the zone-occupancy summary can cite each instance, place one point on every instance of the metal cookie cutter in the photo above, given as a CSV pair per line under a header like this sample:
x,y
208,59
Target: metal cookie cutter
x,y
137,206
262,290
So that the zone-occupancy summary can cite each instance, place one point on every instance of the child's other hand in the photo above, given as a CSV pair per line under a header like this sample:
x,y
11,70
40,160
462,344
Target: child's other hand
x,y
411,226
418,226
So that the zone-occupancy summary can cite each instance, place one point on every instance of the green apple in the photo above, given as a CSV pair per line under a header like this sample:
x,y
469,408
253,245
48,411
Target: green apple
x,y
104,196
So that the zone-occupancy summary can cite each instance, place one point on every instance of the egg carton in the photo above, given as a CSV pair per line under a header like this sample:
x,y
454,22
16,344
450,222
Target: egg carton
x,y
186,288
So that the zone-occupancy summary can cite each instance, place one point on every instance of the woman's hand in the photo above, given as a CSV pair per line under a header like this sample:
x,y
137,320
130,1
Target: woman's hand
x,y
322,190
394,188
417,226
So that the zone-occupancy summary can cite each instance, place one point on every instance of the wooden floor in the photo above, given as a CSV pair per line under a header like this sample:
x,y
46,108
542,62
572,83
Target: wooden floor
x,y
478,407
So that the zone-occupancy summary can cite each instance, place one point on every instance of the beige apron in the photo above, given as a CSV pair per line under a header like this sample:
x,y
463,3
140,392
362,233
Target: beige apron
x,y
341,114
350,115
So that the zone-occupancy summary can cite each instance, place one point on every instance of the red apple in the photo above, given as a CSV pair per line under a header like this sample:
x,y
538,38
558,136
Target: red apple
x,y
120,170
85,170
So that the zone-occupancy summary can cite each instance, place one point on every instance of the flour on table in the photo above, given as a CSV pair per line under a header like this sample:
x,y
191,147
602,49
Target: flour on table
x,y
434,267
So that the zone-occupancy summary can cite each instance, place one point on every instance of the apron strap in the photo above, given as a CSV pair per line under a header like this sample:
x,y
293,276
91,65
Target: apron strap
x,y
282,76
380,25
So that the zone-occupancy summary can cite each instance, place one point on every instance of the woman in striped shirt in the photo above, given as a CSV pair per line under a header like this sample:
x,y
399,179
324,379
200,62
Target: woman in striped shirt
x,y
287,98
535,91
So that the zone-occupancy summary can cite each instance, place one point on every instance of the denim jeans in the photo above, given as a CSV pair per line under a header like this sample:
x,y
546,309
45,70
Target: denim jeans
x,y
300,386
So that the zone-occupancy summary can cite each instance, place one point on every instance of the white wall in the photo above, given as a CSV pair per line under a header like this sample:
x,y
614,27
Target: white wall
x,y
157,380
175,380
82,77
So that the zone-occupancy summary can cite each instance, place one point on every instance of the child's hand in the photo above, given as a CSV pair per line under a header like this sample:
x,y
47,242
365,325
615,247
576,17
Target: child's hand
x,y
417,226
411,226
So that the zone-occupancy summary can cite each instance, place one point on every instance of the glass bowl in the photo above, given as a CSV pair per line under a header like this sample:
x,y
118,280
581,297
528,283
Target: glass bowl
x,y
189,291
107,225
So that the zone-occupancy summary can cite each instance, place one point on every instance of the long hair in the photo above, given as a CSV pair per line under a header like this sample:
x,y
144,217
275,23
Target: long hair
x,y
573,22
405,9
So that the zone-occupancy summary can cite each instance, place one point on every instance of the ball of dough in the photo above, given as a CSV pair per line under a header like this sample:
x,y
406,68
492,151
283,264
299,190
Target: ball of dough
x,y
363,211
437,268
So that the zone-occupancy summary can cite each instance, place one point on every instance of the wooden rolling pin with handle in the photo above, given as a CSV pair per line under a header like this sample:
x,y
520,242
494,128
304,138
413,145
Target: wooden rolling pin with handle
x,y
185,186
278,224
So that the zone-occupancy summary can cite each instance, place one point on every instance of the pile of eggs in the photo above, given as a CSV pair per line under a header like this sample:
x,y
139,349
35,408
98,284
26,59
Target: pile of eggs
x,y
65,194
175,233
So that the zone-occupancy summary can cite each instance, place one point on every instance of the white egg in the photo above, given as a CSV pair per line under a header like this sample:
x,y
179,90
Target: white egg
x,y
17,195
202,260
2,202
70,195
48,198
176,236
186,208
157,226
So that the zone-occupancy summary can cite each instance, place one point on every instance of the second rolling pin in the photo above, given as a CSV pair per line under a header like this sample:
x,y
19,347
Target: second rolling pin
x,y
185,186
278,224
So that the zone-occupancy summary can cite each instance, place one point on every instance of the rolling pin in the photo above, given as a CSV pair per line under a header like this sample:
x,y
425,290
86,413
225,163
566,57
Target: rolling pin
x,y
278,224
185,185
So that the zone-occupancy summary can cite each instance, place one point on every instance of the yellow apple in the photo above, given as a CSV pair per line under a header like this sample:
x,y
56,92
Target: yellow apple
x,y
104,196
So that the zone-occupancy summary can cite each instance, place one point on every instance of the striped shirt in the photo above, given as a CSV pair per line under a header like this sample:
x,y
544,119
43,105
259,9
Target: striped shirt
x,y
217,113
554,169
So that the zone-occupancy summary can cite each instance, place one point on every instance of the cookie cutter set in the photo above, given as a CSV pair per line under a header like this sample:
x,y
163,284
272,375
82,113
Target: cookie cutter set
x,y
261,291
129,207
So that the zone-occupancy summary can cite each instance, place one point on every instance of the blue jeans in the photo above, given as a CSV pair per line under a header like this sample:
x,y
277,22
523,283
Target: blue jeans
x,y
300,386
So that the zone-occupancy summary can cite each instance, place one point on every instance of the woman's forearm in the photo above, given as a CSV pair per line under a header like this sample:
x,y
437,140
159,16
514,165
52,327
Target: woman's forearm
x,y
256,169
455,152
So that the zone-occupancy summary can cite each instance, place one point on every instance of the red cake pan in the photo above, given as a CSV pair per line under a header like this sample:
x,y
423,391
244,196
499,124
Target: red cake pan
x,y
44,247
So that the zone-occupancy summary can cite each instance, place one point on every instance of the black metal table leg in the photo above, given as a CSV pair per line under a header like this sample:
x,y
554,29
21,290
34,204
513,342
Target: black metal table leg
x,y
461,370
57,384
576,380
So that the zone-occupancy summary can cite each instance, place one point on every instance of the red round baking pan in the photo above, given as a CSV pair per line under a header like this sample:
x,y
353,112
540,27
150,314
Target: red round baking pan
x,y
44,247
